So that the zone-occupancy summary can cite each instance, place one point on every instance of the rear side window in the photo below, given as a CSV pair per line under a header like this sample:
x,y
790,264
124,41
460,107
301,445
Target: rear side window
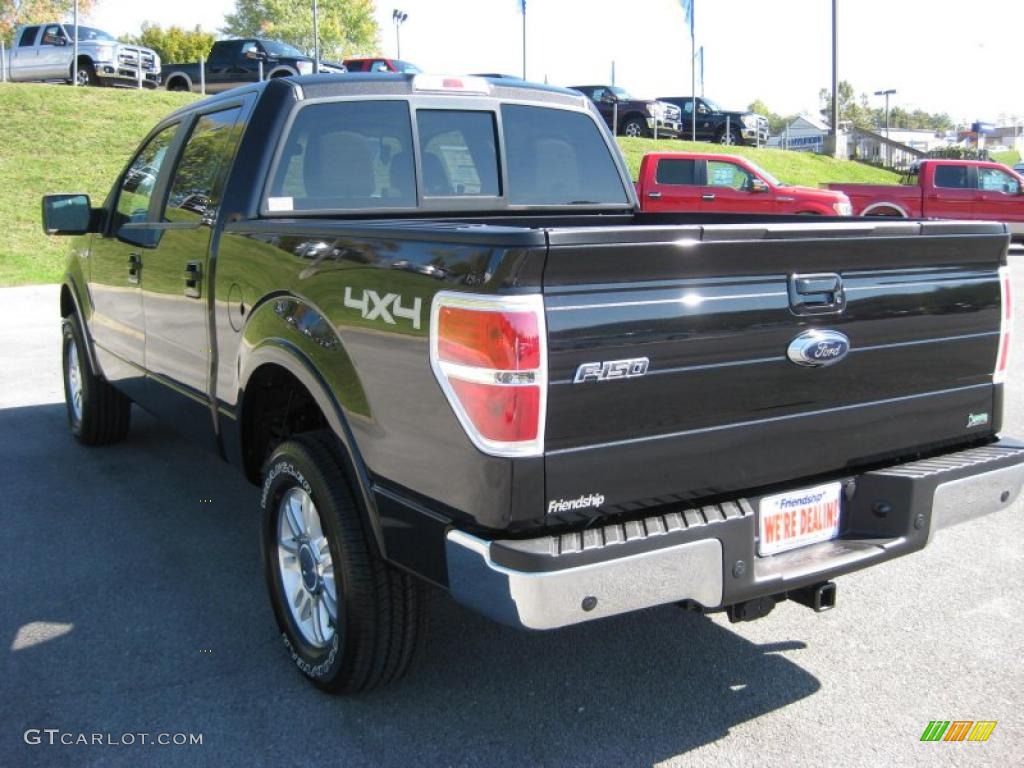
x,y
28,37
195,190
344,156
459,153
558,157
951,176
676,172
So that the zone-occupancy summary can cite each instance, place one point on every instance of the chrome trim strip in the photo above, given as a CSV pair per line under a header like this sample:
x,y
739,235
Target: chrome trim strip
x,y
971,497
770,420
682,300
552,599
896,344
933,283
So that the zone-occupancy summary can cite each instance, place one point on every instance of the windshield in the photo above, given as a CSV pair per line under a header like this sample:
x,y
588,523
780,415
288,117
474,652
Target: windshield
x,y
405,66
621,93
86,34
277,49
765,175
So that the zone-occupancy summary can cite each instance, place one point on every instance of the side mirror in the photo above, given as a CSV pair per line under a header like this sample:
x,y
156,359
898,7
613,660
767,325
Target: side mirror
x,y
256,55
67,215
609,98
758,185
702,110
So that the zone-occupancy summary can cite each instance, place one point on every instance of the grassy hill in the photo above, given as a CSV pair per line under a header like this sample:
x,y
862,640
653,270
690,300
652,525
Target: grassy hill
x,y
61,139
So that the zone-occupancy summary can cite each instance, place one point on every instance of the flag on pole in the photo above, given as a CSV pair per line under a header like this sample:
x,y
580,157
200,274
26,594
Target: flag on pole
x,y
687,12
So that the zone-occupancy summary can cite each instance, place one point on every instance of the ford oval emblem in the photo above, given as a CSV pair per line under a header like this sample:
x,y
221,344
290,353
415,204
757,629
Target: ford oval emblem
x,y
816,349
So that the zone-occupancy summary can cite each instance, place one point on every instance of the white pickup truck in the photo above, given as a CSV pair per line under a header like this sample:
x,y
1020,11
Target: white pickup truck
x,y
47,52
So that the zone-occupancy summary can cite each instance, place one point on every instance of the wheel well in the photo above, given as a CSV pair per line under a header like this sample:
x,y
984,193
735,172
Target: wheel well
x,y
275,406
281,73
884,210
177,80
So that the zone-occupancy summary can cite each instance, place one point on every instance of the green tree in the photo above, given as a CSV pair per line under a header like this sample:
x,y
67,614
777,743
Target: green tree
x,y
14,13
347,27
174,44
776,123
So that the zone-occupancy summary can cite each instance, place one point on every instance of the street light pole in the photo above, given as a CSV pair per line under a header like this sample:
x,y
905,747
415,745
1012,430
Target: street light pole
x,y
888,149
74,64
399,18
316,38
834,128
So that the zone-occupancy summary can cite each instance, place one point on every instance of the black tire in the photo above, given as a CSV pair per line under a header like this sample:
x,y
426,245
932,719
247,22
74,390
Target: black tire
x,y
379,609
103,414
636,127
177,84
86,74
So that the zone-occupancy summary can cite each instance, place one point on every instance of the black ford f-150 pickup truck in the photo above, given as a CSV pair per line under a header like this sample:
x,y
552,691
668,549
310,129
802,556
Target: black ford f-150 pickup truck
x,y
426,315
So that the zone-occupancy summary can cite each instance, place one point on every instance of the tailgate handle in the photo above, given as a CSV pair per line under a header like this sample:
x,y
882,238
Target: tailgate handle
x,y
819,294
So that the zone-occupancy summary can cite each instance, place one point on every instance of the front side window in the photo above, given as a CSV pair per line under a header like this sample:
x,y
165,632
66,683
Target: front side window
x,y
139,182
994,180
460,156
195,190
676,172
54,35
278,50
723,174
346,155
951,176
558,157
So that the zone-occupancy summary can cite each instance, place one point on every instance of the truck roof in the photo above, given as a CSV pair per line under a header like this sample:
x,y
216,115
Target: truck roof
x,y
400,84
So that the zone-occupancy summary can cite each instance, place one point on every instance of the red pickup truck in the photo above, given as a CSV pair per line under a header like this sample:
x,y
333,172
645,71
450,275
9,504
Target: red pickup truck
x,y
946,189
692,181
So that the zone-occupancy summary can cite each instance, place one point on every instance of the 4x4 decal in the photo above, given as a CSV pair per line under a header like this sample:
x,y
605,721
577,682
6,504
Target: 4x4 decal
x,y
373,306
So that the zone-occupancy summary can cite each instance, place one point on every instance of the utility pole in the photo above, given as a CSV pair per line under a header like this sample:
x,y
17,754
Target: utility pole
x,y
888,147
524,39
399,18
834,128
316,38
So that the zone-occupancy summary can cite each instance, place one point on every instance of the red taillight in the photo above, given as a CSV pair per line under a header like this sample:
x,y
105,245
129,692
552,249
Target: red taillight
x,y
488,354
1005,326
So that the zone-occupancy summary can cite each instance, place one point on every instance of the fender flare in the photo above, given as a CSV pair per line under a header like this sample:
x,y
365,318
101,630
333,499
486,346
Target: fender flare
x,y
875,206
72,288
282,71
280,352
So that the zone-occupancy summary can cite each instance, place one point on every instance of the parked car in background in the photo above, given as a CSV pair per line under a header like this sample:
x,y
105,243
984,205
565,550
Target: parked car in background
x,y
628,116
381,64
47,52
691,181
232,63
721,126
946,189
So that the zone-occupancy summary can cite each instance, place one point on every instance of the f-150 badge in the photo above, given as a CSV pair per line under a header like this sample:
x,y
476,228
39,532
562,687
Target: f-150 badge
x,y
611,370
818,348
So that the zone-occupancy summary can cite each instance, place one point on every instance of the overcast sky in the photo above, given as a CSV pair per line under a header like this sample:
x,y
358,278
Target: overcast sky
x,y
960,58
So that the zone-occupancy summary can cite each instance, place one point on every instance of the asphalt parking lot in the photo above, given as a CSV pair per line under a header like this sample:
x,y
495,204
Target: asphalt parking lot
x,y
132,601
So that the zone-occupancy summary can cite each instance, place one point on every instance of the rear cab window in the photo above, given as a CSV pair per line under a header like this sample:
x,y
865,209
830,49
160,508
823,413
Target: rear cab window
x,y
28,37
355,155
676,171
951,176
198,179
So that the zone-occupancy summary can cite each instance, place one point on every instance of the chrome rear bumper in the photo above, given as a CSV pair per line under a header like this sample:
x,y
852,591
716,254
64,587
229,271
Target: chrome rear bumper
x,y
708,555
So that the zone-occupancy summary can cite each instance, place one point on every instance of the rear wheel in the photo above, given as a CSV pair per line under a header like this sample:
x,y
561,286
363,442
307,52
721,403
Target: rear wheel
x,y
729,138
349,620
98,414
177,84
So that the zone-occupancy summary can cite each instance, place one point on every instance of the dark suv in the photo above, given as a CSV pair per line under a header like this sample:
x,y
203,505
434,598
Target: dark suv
x,y
720,125
632,117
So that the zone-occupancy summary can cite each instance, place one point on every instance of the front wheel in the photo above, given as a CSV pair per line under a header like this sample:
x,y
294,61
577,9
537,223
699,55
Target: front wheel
x,y
348,619
86,75
730,138
98,414
634,127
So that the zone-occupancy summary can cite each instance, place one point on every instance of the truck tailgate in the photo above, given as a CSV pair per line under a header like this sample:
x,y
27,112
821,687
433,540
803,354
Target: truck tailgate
x,y
714,309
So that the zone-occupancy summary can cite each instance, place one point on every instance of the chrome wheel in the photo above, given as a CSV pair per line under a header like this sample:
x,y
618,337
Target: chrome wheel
x,y
73,374
306,569
83,76
632,128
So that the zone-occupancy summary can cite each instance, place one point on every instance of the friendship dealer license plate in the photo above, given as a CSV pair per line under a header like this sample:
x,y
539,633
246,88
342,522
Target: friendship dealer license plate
x,y
798,518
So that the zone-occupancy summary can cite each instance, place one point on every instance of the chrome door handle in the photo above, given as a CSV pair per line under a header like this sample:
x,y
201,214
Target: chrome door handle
x,y
708,198
654,195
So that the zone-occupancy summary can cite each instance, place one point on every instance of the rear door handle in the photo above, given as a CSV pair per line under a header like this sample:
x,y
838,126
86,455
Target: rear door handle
x,y
654,195
134,268
709,197
193,279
